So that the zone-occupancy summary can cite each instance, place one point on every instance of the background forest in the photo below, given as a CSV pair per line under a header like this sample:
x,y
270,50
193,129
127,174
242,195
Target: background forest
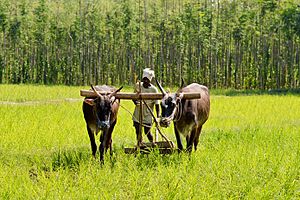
x,y
243,44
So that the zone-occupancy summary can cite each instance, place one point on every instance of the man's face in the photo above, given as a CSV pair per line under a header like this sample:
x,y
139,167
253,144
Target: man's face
x,y
146,82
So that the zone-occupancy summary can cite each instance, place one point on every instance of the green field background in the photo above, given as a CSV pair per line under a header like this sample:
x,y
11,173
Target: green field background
x,y
249,149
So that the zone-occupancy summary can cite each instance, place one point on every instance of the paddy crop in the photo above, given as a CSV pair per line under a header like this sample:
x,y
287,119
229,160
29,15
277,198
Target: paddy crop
x,y
249,149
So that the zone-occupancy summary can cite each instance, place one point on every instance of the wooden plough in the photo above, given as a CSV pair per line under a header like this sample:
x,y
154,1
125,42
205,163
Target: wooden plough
x,y
164,147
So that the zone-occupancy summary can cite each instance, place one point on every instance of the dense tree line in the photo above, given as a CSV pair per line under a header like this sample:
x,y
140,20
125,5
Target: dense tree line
x,y
221,43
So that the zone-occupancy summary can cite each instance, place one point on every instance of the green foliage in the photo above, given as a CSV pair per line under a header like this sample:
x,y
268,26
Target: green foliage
x,y
3,19
41,21
291,20
14,30
222,44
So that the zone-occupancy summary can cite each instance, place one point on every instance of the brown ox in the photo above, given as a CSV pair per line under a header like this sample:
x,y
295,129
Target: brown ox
x,y
100,113
188,115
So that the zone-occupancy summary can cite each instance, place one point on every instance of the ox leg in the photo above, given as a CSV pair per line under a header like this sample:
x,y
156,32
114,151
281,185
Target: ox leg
x,y
109,140
187,138
190,140
196,141
101,137
108,144
92,139
102,146
178,139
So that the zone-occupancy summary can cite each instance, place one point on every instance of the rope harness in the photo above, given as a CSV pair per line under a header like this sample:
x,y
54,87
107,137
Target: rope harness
x,y
144,125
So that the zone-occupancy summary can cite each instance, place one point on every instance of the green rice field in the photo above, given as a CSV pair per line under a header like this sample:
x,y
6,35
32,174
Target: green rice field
x,y
249,149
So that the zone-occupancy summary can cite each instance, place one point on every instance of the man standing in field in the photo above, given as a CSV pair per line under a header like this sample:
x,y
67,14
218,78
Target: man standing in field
x,y
145,87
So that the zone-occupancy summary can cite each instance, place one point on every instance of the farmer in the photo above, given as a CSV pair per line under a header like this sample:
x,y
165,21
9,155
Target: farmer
x,y
146,87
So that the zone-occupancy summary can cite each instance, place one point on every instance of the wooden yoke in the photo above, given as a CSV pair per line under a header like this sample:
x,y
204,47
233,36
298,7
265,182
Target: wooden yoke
x,y
138,96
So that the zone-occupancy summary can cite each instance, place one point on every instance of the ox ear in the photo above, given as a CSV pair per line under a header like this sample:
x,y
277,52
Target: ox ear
x,y
91,102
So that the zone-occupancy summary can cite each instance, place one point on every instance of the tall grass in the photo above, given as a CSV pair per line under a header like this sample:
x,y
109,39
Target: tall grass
x,y
249,149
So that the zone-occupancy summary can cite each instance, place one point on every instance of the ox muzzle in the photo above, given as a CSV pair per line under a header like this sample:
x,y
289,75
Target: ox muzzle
x,y
103,124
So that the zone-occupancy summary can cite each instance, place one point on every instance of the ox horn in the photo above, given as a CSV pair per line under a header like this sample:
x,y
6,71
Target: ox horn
x,y
160,87
95,91
178,93
182,83
115,92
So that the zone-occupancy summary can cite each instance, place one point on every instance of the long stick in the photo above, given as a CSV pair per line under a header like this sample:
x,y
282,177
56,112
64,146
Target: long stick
x,y
156,122
140,118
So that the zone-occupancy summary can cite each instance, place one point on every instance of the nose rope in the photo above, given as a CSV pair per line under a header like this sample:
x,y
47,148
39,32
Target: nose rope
x,y
170,118
176,114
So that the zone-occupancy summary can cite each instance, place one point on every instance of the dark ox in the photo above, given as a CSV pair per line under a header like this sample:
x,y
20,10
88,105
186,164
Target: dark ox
x,y
100,114
188,115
